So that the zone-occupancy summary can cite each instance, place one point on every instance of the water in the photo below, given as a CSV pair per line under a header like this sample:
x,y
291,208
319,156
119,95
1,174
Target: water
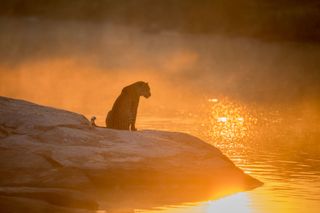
x,y
275,146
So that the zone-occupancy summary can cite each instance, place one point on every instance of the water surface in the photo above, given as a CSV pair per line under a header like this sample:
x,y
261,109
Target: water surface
x,y
277,146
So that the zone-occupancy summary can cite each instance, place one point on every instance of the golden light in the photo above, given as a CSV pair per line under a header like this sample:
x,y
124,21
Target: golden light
x,y
229,121
239,203
222,119
213,100
235,203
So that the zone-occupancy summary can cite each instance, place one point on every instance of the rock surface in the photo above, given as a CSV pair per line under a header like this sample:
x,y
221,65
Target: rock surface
x,y
53,159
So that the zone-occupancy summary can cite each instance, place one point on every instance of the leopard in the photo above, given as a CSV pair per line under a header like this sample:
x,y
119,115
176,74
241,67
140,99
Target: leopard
x,y
123,114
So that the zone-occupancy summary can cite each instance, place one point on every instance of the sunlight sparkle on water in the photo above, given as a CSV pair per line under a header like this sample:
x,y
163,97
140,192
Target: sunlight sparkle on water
x,y
213,100
239,203
222,119
229,121
235,203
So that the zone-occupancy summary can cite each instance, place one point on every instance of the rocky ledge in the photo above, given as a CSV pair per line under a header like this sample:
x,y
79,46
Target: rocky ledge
x,y
52,160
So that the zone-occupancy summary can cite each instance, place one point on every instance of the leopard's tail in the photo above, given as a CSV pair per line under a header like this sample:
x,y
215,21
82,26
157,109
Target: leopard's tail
x,y
93,121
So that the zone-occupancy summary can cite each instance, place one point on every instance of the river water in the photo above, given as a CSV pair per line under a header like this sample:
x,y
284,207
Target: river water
x,y
278,146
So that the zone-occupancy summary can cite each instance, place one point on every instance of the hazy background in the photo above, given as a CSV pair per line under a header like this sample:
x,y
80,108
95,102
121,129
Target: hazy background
x,y
259,58
78,54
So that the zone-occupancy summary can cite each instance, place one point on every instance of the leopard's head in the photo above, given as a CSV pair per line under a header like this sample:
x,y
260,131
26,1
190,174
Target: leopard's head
x,y
144,89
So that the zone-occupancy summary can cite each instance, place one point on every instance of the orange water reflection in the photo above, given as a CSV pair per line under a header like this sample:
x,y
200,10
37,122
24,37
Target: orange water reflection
x,y
229,121
278,146
235,203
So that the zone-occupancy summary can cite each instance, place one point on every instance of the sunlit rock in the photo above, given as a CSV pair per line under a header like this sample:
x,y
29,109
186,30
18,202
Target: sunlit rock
x,y
51,158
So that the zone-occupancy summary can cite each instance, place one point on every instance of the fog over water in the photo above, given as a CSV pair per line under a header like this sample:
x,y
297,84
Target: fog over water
x,y
243,75
95,60
261,51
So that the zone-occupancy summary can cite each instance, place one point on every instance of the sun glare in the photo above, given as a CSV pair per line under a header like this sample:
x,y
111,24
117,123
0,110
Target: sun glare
x,y
229,121
213,100
239,203
235,203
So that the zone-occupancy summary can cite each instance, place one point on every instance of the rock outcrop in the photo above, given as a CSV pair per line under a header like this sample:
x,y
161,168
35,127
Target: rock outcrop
x,y
52,160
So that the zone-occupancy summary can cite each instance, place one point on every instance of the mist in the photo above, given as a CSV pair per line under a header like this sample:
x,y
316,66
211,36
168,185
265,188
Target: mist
x,y
82,64
242,76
